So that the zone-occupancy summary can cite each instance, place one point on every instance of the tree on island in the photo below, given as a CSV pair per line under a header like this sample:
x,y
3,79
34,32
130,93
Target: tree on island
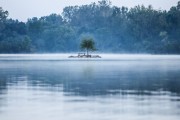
x,y
88,44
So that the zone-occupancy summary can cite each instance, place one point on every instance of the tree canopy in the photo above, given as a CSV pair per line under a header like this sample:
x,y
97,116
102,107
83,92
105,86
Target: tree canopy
x,y
116,29
88,44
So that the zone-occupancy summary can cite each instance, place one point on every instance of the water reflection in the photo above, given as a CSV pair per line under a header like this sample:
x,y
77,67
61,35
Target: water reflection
x,y
94,78
89,90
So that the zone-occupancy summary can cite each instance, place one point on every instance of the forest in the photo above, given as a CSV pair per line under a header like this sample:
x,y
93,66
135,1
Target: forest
x,y
114,29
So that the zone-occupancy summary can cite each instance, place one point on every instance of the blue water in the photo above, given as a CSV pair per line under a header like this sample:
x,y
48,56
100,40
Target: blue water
x,y
115,87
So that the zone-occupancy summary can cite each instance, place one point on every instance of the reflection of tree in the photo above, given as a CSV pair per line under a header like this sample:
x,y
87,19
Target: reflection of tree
x,y
87,72
120,83
3,89
3,84
90,79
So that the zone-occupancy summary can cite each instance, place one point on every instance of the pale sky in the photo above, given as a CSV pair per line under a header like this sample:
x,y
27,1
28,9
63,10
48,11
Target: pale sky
x,y
23,9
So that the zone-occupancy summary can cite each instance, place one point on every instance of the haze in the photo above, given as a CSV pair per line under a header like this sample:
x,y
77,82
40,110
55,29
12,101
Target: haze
x,y
24,9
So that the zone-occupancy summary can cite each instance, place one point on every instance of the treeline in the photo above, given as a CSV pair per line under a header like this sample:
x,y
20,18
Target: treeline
x,y
115,29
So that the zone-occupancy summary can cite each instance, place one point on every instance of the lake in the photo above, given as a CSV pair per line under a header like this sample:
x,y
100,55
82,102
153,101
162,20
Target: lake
x,y
114,87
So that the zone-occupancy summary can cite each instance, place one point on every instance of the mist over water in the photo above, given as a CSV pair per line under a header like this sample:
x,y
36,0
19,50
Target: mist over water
x,y
105,57
53,86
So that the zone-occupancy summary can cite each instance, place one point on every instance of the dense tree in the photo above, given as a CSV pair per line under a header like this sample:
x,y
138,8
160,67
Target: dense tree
x,y
3,16
13,35
51,34
116,29
88,44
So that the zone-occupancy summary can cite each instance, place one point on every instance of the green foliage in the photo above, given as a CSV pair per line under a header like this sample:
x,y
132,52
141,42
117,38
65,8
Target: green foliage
x,y
116,29
18,44
3,15
13,35
88,44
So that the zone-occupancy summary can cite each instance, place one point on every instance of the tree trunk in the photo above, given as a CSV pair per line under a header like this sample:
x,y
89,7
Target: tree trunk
x,y
87,52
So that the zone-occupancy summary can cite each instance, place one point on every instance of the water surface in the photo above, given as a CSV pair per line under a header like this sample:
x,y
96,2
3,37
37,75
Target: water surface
x,y
116,87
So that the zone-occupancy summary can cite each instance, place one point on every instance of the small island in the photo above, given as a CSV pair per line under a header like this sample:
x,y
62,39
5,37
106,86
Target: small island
x,y
88,45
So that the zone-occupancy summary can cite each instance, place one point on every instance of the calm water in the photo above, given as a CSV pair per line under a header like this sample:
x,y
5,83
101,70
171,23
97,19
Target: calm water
x,y
116,87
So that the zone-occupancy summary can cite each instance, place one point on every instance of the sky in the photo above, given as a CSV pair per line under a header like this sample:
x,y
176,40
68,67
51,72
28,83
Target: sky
x,y
24,9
